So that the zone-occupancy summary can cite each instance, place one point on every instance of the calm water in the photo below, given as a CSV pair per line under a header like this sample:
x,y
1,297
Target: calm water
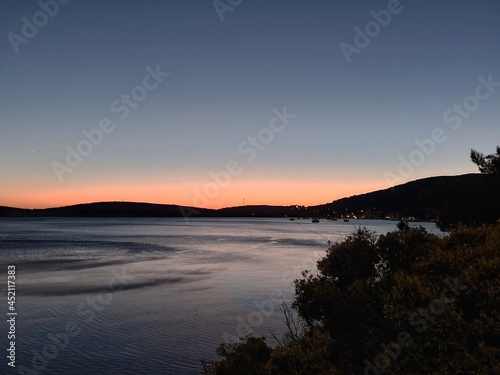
x,y
151,296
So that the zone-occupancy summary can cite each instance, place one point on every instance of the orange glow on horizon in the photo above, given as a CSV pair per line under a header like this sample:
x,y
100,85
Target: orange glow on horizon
x,y
202,194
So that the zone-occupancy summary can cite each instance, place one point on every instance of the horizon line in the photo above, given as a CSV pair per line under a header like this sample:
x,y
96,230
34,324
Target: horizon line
x,y
220,208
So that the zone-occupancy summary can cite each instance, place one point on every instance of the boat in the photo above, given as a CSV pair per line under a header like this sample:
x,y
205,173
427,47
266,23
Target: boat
x,y
292,219
346,220
315,220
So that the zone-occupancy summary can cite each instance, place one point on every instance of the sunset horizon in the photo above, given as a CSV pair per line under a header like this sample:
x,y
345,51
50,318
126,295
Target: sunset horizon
x,y
158,110
198,196
250,187
269,195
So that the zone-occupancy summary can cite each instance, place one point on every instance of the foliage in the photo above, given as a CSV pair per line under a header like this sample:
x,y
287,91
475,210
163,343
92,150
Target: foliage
x,y
489,164
473,204
246,358
439,293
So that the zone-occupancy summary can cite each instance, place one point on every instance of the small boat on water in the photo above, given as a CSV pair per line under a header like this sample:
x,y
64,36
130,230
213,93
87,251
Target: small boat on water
x,y
315,220
346,220
291,219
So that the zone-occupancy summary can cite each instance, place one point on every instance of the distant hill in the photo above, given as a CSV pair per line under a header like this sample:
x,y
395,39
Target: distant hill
x,y
116,209
14,212
409,200
108,209
412,199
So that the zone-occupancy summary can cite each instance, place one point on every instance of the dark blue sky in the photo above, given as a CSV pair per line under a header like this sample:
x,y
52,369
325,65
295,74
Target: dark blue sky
x,y
354,121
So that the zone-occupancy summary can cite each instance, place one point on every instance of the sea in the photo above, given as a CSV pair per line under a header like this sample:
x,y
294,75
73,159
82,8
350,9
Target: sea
x,y
149,295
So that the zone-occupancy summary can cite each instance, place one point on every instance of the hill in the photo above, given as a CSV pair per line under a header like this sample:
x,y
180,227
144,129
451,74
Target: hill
x,y
14,212
412,199
409,200
107,209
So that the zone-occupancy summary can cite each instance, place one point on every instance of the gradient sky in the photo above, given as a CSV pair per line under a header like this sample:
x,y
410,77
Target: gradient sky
x,y
353,120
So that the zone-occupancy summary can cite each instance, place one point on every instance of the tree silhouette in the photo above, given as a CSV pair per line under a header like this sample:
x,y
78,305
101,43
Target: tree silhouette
x,y
474,203
487,164
407,302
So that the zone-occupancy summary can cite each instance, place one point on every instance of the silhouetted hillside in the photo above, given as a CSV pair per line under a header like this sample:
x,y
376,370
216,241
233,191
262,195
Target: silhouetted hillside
x,y
109,209
13,212
411,200
114,209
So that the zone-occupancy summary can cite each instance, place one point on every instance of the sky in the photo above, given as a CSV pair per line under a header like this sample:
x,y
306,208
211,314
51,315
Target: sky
x,y
229,102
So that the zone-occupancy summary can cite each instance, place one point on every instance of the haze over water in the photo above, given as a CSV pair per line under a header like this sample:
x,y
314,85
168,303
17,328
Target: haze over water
x,y
178,289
